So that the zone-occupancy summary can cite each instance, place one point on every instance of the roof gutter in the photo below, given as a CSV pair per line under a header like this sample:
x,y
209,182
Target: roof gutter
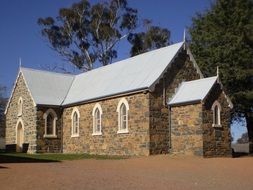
x,y
185,103
135,91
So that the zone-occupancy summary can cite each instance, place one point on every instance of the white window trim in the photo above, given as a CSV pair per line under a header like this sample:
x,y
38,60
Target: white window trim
x,y
125,102
97,106
54,123
20,110
216,103
75,110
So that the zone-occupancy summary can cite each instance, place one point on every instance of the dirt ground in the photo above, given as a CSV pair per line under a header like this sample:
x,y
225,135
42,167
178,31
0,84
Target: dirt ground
x,y
154,172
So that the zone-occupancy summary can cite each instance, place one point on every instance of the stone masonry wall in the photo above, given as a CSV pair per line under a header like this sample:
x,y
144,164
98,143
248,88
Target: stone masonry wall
x,y
181,69
136,142
28,117
186,130
52,145
217,140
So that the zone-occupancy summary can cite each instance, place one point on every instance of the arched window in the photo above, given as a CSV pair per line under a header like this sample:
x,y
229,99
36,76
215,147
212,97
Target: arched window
x,y
216,114
75,123
97,113
50,118
50,124
20,106
122,110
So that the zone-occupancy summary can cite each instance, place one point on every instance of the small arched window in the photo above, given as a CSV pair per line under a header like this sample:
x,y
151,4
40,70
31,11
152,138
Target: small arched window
x,y
50,118
122,110
20,106
97,113
75,123
50,124
216,114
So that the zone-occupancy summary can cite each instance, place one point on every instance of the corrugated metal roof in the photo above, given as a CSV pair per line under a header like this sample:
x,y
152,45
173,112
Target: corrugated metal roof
x,y
47,88
128,75
139,72
192,91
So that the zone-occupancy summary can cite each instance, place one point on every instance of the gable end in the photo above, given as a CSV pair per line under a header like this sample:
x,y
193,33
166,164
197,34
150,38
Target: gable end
x,y
20,74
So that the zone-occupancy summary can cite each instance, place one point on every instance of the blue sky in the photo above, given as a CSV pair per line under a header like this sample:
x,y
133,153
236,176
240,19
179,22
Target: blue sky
x,y
20,34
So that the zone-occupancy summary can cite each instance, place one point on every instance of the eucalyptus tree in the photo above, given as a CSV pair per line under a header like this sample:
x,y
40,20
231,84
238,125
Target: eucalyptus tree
x,y
86,33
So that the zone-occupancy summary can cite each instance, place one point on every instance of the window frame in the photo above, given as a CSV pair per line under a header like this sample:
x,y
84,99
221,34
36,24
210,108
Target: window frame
x,y
75,111
216,104
51,112
20,106
99,108
121,102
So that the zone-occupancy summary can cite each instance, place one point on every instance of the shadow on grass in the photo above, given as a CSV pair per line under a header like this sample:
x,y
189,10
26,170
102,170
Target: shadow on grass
x,y
20,158
51,157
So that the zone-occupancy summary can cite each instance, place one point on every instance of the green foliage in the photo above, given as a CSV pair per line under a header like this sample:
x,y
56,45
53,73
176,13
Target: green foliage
x,y
223,36
153,38
85,33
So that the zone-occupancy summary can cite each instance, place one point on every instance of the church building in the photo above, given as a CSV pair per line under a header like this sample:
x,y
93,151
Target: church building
x,y
154,103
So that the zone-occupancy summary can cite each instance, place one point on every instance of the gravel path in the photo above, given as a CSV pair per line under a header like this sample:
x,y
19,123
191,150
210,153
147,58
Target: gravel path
x,y
154,172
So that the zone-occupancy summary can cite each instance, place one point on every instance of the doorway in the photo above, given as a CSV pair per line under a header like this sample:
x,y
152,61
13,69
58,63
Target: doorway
x,y
20,137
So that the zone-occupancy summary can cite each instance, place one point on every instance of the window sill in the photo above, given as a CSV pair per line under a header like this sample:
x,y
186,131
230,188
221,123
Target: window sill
x,y
50,136
215,125
96,134
122,132
73,136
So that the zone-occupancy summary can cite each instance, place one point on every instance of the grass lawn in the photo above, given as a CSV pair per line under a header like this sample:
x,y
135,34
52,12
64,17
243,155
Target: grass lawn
x,y
53,157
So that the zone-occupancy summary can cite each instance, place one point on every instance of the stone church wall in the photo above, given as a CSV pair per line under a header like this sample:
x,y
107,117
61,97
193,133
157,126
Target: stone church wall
x,y
181,69
186,130
217,140
192,130
45,144
148,122
136,142
28,117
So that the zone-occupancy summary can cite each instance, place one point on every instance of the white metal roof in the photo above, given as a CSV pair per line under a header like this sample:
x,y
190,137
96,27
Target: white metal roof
x,y
47,88
136,73
131,74
192,91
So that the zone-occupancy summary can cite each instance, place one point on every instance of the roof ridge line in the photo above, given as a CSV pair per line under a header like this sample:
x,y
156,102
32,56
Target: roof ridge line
x,y
200,79
45,71
127,59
